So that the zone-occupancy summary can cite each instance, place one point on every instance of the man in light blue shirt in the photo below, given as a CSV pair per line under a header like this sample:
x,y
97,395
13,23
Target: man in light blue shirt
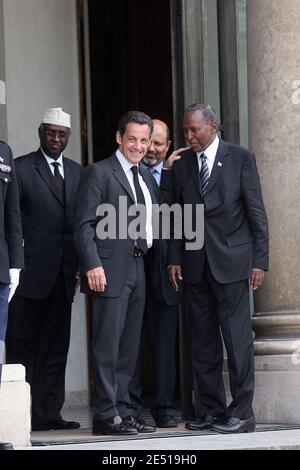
x,y
161,308
160,144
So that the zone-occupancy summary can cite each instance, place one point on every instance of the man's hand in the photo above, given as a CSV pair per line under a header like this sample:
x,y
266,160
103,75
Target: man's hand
x,y
14,275
257,277
175,275
168,163
96,279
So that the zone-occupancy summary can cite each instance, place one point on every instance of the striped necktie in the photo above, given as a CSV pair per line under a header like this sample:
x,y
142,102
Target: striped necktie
x,y
204,173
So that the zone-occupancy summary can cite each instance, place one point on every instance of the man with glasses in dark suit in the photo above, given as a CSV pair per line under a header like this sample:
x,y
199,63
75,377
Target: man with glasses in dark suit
x,y
160,323
39,324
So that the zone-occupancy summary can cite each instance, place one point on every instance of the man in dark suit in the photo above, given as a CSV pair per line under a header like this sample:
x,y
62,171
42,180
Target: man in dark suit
x,y
223,177
160,321
40,315
11,249
111,255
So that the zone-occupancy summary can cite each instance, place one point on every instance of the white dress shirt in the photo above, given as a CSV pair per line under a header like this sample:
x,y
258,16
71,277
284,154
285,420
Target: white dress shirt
x,y
210,153
51,160
126,165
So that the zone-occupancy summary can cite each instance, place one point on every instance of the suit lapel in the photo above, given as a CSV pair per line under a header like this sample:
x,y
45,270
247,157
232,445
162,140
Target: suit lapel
x,y
122,178
150,183
68,173
218,166
44,171
120,175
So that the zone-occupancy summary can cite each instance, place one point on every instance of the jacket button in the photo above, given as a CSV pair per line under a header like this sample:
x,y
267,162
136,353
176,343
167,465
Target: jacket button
x,y
6,180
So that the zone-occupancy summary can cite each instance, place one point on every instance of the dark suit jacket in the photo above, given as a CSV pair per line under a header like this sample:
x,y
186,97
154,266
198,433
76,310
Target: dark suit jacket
x,y
158,282
159,286
103,183
11,250
235,221
47,226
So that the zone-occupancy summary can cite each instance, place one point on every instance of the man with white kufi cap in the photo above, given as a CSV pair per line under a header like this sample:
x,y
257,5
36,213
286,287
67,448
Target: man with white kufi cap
x,y
40,314
58,117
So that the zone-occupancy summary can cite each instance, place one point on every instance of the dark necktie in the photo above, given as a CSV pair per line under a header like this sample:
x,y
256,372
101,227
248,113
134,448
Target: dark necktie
x,y
140,199
204,173
59,181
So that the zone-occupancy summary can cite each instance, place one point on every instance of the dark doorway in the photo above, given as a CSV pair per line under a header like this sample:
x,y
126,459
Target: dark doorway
x,y
130,69
131,65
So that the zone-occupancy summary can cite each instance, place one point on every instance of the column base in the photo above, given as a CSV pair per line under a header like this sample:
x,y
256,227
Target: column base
x,y
276,395
277,367
15,422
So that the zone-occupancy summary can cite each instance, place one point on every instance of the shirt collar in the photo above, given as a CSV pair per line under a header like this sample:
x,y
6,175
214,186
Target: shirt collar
x,y
158,168
211,150
52,160
126,165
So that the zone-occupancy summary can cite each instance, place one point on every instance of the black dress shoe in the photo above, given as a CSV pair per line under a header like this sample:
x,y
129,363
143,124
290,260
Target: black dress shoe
x,y
166,422
55,424
113,429
138,424
235,425
6,446
205,422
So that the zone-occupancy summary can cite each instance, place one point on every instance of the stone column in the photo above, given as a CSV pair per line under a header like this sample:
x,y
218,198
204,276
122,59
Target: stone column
x,y
194,60
274,132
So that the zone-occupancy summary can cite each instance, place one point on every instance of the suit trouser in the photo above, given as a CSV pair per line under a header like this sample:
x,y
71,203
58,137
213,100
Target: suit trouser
x,y
4,292
38,337
116,333
160,324
212,306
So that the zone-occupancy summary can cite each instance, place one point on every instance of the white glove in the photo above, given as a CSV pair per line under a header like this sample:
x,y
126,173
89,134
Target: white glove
x,y
14,274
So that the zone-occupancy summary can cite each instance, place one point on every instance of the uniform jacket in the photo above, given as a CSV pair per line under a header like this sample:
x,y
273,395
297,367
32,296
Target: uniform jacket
x,y
11,250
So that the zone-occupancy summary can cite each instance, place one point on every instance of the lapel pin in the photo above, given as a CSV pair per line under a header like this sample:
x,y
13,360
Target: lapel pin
x,y
219,163
1,160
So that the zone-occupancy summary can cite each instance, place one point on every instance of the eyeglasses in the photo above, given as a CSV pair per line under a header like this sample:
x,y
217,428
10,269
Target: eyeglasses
x,y
52,133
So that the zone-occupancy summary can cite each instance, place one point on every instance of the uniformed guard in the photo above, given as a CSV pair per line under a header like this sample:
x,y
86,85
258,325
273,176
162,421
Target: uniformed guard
x,y
11,250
